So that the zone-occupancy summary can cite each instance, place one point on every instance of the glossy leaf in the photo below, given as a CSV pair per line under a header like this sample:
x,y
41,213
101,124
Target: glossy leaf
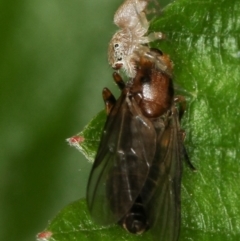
x,y
74,223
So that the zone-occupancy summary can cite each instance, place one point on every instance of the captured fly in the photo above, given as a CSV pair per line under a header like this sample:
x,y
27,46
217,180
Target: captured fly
x,y
136,177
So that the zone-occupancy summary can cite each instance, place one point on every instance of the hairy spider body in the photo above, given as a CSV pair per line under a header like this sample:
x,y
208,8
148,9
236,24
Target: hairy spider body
x,y
131,38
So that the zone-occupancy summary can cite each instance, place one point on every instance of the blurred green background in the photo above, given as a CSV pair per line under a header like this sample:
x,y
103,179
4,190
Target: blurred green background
x,y
53,68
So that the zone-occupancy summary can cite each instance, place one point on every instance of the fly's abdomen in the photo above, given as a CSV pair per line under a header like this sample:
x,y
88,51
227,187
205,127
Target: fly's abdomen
x,y
135,221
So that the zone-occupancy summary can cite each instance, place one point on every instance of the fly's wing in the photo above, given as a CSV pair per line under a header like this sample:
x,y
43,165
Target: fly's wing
x,y
162,189
121,167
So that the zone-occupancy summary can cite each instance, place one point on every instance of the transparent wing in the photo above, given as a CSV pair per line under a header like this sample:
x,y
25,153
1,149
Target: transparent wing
x,y
121,167
162,189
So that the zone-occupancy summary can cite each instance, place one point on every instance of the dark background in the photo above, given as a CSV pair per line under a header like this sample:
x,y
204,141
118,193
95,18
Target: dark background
x,y
53,57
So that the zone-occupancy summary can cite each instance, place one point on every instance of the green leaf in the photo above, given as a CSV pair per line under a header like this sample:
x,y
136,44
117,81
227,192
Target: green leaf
x,y
87,140
74,223
203,42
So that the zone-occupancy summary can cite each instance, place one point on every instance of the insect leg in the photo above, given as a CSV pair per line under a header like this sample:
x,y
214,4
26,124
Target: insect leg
x,y
109,99
187,159
118,80
185,154
155,36
182,105
143,20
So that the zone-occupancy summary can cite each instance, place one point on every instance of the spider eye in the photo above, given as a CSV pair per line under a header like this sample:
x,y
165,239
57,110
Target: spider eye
x,y
116,45
119,59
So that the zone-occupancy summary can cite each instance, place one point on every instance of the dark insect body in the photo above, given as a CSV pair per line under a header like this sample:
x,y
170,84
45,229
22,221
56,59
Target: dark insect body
x,y
136,177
